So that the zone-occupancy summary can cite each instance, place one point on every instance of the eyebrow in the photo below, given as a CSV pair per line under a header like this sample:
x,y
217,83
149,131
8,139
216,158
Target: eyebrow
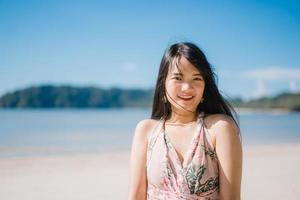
x,y
198,74
180,74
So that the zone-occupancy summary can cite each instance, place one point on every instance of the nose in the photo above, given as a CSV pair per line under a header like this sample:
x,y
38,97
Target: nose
x,y
185,86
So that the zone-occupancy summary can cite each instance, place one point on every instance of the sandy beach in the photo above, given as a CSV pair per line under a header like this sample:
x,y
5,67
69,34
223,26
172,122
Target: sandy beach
x,y
269,172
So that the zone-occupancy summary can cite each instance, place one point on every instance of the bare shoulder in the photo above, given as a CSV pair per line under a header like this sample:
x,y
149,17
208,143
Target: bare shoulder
x,y
220,121
138,159
221,125
144,128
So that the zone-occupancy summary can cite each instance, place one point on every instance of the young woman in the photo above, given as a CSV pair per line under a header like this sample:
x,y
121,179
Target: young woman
x,y
191,148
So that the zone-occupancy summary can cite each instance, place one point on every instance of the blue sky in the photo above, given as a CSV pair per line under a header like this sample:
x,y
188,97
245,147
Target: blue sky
x,y
254,46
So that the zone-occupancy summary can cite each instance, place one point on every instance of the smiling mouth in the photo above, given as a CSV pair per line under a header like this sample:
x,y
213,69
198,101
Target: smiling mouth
x,y
186,98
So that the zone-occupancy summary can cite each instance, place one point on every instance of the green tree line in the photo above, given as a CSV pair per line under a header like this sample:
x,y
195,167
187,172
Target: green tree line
x,y
49,96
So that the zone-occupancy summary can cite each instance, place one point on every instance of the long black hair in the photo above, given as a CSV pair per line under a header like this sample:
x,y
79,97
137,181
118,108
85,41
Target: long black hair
x,y
213,101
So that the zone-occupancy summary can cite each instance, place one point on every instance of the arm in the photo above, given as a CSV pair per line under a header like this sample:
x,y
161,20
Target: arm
x,y
137,179
229,151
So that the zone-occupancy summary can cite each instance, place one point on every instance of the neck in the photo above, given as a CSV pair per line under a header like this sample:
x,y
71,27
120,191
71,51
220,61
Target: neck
x,y
182,118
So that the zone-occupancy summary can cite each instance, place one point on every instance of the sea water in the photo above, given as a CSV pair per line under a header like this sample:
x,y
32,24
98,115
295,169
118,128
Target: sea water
x,y
25,132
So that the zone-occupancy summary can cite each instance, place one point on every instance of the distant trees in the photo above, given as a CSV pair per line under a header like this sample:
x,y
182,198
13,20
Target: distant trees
x,y
289,101
49,96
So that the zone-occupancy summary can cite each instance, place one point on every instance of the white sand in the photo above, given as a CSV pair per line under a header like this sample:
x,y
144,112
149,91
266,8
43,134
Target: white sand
x,y
270,172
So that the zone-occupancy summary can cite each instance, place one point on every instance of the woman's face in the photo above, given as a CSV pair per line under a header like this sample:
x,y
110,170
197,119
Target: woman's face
x,y
184,87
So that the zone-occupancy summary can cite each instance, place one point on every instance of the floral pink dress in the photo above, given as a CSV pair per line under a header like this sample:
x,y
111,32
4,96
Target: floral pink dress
x,y
169,179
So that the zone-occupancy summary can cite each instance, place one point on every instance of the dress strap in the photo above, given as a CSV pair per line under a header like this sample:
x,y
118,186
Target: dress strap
x,y
155,133
152,140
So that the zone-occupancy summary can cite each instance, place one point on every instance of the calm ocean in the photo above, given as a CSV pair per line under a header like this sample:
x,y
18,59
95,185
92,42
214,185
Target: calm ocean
x,y
44,132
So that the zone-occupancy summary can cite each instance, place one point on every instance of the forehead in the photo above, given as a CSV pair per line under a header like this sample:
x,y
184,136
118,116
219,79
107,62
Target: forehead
x,y
182,65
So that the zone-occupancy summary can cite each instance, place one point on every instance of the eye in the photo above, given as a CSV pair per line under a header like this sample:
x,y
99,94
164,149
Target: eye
x,y
198,79
177,78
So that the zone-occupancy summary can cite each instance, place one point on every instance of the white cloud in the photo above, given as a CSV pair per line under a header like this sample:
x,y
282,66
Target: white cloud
x,y
260,90
274,73
262,75
293,86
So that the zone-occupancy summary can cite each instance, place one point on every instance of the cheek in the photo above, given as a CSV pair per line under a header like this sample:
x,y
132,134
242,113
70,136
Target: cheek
x,y
171,87
200,93
200,88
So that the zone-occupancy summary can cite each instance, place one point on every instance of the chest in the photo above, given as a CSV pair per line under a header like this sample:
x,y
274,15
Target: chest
x,y
181,139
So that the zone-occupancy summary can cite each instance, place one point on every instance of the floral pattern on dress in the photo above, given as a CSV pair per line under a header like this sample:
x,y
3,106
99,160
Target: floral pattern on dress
x,y
168,179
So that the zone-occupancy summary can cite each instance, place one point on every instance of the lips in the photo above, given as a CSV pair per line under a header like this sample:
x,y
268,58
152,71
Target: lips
x,y
186,97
